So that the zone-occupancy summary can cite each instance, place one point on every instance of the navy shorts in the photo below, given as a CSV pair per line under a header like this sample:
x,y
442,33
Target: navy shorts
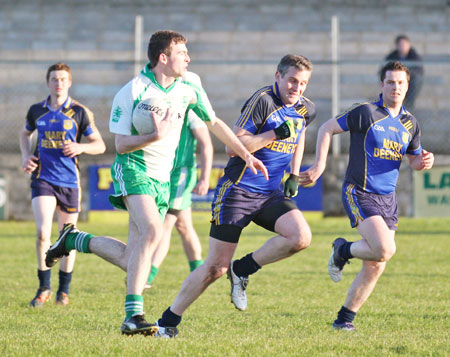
x,y
360,205
233,208
67,198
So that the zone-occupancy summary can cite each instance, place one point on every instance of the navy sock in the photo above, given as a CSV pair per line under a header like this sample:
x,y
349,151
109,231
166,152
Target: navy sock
x,y
345,315
344,250
44,278
245,266
169,319
64,282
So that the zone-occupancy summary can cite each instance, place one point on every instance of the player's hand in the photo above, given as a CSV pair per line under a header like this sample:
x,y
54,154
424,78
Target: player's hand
x,y
256,165
311,175
72,149
162,127
427,160
201,188
286,130
291,186
30,164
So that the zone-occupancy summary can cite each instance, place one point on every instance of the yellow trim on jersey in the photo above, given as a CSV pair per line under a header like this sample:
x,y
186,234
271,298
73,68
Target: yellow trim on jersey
x,y
352,204
218,204
250,106
408,125
365,150
242,174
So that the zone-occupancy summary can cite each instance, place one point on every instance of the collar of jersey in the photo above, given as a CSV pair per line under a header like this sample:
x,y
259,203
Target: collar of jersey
x,y
276,91
380,103
66,104
147,72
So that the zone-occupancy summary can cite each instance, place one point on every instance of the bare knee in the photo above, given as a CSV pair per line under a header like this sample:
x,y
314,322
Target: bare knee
x,y
385,253
300,240
42,237
214,272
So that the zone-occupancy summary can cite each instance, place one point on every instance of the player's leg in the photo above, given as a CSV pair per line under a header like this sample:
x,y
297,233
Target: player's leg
x,y
43,210
376,218
294,236
68,208
189,237
163,246
146,230
215,265
377,241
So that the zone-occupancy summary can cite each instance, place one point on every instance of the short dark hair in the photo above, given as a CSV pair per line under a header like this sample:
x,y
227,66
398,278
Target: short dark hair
x,y
393,66
400,38
297,61
60,66
160,42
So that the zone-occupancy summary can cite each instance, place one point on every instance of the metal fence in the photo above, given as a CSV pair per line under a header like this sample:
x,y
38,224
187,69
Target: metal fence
x,y
228,84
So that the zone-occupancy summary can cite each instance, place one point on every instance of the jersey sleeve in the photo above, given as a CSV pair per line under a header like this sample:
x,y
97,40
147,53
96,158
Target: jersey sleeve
x,y
30,123
415,147
354,119
87,124
253,114
201,105
194,121
311,111
120,121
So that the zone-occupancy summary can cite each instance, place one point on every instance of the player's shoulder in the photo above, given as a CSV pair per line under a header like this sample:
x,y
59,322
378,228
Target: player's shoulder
x,y
409,120
308,104
264,95
362,108
192,78
38,107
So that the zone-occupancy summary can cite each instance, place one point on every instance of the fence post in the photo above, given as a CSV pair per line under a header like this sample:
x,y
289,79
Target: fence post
x,y
138,35
335,80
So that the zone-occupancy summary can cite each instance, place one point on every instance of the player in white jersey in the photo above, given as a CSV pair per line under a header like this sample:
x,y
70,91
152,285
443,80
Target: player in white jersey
x,y
141,170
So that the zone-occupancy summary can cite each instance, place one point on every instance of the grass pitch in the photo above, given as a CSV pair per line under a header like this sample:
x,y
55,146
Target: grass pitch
x,y
292,303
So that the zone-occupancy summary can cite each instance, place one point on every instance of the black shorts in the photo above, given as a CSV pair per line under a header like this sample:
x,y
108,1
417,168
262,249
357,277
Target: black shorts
x,y
360,205
67,198
234,208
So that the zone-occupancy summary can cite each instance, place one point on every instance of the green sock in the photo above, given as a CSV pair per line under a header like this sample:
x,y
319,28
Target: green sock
x,y
194,264
79,241
134,305
152,275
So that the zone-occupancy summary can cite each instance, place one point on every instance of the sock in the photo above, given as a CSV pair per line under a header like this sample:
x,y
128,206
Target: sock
x,y
344,250
79,241
194,264
169,319
345,315
134,305
44,278
245,266
64,282
153,271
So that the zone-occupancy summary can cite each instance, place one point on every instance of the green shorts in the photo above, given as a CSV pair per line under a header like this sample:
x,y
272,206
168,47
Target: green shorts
x,y
182,182
129,181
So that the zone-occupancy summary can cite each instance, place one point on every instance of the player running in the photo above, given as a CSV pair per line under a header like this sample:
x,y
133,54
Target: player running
x,y
272,125
141,170
381,133
60,123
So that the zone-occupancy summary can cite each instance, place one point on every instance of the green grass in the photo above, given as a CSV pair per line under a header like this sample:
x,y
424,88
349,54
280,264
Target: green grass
x,y
291,303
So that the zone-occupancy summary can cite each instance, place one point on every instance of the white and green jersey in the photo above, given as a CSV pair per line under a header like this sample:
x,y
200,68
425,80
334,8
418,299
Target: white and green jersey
x,y
157,158
185,154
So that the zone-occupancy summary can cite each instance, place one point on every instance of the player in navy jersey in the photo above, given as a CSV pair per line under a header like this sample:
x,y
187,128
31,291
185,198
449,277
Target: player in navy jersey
x,y
272,126
60,123
381,133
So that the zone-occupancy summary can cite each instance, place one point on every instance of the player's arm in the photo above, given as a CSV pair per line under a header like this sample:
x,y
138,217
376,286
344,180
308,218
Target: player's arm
x,y
251,141
128,143
94,146
423,161
324,136
226,135
291,184
29,161
206,158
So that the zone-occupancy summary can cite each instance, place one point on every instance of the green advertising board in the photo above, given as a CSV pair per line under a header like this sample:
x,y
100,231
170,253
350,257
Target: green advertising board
x,y
432,192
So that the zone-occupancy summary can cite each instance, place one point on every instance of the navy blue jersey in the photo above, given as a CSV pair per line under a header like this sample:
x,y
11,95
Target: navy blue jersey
x,y
378,142
265,111
54,129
